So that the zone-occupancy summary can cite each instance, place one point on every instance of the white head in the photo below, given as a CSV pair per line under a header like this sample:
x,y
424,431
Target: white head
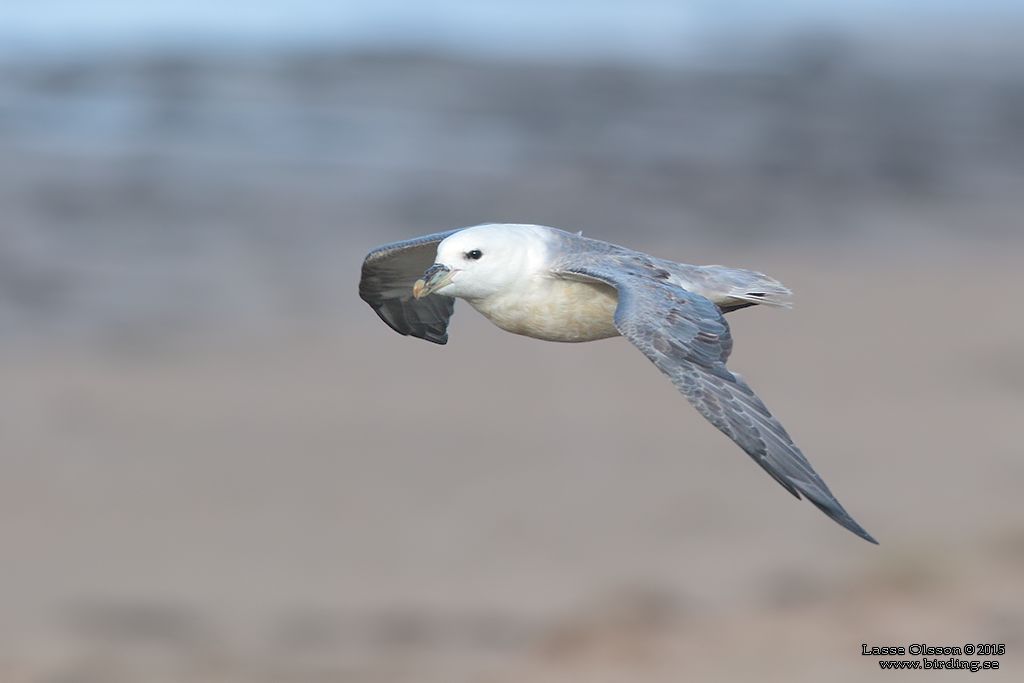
x,y
481,261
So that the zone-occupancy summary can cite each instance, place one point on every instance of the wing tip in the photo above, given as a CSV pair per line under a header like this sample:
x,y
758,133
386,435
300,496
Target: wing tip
x,y
868,537
833,509
851,525
405,329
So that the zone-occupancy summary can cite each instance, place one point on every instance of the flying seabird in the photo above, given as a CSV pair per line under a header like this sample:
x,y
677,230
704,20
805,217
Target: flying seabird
x,y
554,285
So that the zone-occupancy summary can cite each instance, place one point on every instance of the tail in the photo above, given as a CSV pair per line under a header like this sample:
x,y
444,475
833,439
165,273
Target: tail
x,y
735,288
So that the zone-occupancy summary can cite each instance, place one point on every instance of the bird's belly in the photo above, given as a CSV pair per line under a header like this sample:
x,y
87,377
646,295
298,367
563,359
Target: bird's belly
x,y
555,310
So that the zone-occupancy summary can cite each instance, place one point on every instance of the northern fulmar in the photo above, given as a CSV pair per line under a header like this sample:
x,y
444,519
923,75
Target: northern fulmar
x,y
554,285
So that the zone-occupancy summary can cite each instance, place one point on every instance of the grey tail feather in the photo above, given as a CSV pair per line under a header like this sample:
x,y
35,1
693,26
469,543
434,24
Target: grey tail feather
x,y
738,288
763,290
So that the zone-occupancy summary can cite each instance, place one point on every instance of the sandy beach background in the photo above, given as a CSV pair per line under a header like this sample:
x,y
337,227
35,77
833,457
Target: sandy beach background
x,y
216,464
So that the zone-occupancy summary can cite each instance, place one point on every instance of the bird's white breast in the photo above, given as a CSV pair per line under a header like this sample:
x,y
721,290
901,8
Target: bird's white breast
x,y
554,310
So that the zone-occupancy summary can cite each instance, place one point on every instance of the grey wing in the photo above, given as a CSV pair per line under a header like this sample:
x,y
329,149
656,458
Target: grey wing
x,y
686,337
388,274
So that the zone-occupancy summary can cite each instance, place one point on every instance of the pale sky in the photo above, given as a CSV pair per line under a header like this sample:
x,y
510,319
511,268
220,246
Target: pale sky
x,y
613,27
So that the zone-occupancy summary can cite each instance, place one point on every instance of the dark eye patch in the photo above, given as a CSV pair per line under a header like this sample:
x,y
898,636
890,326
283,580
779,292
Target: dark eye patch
x,y
474,254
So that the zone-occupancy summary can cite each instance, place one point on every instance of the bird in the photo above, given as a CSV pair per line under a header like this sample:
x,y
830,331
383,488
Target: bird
x,y
560,286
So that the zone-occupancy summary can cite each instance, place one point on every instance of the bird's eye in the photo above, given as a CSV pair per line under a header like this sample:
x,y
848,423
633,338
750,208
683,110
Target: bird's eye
x,y
475,254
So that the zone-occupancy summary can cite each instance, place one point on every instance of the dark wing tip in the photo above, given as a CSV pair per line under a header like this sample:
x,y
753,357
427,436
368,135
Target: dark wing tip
x,y
386,280
430,334
828,504
411,318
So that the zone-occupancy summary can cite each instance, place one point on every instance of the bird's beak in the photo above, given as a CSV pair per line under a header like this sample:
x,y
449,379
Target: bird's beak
x,y
436,277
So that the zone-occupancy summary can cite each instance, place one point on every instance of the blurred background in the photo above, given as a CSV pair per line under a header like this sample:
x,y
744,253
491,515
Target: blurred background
x,y
217,464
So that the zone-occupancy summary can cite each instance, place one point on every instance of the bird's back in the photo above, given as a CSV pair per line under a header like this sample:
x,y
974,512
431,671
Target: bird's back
x,y
729,288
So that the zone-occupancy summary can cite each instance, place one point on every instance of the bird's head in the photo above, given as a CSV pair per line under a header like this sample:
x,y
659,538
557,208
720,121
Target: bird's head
x,y
481,261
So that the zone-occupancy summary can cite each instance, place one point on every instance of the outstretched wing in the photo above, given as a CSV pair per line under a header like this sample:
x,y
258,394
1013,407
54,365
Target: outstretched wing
x,y
686,337
389,272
